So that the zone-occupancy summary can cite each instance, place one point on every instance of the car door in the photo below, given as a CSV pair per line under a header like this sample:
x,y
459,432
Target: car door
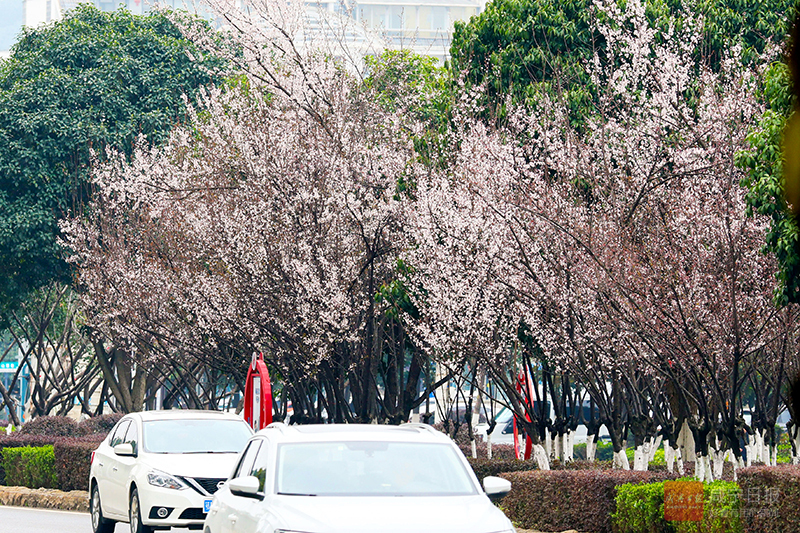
x,y
225,509
117,481
107,482
250,510
121,477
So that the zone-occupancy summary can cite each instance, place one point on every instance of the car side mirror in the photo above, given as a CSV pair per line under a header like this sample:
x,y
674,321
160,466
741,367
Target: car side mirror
x,y
245,486
496,487
125,449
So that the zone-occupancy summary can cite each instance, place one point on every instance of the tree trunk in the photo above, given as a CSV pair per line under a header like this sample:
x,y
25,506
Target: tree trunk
x,y
591,447
541,457
621,460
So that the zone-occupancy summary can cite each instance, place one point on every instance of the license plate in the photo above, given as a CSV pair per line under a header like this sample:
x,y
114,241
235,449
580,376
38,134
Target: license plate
x,y
207,505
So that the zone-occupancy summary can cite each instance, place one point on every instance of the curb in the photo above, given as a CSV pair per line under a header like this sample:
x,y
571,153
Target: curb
x,y
76,500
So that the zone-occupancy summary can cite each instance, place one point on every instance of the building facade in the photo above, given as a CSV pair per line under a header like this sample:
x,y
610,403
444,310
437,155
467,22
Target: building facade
x,y
423,26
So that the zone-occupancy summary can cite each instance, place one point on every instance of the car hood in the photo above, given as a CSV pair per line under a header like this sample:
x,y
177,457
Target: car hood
x,y
445,514
208,465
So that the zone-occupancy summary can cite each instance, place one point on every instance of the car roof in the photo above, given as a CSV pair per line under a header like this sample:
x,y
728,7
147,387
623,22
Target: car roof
x,y
354,432
184,414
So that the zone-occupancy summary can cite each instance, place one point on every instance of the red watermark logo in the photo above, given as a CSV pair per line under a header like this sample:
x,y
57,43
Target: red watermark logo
x,y
683,501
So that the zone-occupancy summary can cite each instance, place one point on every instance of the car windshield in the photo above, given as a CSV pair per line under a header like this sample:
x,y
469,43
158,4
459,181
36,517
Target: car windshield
x,y
195,436
371,469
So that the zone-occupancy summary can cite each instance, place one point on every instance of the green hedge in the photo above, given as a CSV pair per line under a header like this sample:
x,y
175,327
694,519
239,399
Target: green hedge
x,y
72,455
15,440
32,467
558,500
640,509
721,510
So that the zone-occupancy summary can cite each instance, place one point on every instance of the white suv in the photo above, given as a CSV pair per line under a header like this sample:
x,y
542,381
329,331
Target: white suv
x,y
158,469
355,479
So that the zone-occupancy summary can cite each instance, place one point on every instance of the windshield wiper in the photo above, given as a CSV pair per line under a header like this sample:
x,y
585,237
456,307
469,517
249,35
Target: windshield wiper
x,y
207,451
294,494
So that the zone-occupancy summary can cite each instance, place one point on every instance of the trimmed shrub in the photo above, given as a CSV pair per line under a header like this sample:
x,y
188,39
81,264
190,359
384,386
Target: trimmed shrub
x,y
72,462
495,467
640,509
74,470
15,440
31,467
55,426
569,499
99,425
580,465
721,510
770,499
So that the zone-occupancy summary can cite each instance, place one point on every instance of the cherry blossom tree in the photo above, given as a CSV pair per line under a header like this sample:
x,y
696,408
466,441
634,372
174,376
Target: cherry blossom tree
x,y
271,222
623,248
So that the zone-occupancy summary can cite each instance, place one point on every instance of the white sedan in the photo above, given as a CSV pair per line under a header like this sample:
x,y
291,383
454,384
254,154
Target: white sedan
x,y
159,469
355,479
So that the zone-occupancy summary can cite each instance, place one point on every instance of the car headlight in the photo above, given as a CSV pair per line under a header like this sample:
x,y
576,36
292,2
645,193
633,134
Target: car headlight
x,y
164,480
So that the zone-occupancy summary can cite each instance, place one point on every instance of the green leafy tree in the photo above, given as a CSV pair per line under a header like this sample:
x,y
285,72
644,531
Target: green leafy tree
x,y
519,48
764,164
90,81
415,86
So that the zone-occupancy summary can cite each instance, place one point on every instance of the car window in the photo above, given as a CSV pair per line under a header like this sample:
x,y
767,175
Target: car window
x,y
119,433
195,435
246,464
371,468
259,468
132,437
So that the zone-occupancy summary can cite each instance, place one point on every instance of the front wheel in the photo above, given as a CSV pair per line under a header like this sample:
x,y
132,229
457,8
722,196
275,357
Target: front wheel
x,y
135,514
100,524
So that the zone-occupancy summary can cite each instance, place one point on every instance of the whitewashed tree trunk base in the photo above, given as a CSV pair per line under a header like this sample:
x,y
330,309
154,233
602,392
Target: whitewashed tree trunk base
x,y
796,449
640,455
669,457
541,457
591,448
568,453
558,448
700,468
718,463
621,460
654,448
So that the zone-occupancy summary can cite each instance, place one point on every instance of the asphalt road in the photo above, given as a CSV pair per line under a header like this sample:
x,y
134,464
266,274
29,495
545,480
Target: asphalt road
x,y
26,520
